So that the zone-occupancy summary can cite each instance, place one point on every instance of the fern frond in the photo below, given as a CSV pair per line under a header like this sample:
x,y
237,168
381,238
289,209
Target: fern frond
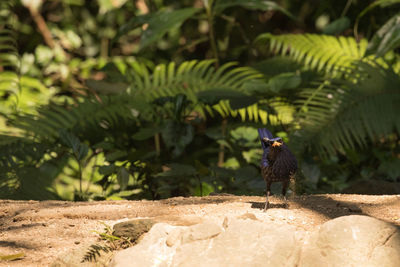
x,y
89,113
336,115
318,52
94,251
9,58
192,77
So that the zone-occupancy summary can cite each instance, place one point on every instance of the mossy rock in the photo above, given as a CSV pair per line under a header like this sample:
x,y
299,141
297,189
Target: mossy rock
x,y
133,229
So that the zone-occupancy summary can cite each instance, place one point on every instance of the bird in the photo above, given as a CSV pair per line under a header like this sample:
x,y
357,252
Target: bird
x,y
278,164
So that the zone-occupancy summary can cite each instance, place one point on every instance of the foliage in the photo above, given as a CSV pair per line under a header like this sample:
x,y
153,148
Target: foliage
x,y
320,52
153,99
109,243
339,115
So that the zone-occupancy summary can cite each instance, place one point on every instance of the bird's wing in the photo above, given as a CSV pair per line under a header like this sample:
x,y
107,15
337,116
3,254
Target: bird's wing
x,y
285,164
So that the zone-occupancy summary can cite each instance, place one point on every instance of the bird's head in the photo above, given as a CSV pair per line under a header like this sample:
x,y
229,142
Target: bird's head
x,y
274,142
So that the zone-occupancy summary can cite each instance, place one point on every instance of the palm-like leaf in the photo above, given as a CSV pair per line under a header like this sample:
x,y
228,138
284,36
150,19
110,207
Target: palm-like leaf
x,y
318,52
9,59
337,115
193,77
90,113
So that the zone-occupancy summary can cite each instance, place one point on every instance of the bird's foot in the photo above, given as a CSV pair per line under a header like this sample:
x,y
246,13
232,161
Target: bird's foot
x,y
266,206
286,204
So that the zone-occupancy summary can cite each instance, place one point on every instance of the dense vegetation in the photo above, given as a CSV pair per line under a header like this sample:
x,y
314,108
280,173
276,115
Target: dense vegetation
x,y
112,99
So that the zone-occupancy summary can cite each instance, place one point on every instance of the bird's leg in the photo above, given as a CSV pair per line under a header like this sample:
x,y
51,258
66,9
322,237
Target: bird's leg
x,y
285,185
268,193
266,202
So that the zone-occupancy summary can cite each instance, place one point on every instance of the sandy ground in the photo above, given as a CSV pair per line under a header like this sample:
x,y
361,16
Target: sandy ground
x,y
43,230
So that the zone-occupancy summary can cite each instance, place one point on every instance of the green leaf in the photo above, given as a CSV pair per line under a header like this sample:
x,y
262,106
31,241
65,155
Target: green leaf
x,y
337,26
106,87
242,102
107,169
79,149
69,139
180,104
123,178
245,133
115,155
43,54
145,133
205,189
179,170
380,3
284,81
225,144
177,135
236,99
277,65
262,5
83,150
255,87
214,133
391,168
386,38
163,21
108,5
133,24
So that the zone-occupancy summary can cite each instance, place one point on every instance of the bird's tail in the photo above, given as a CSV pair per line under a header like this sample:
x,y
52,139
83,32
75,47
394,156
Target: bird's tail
x,y
263,132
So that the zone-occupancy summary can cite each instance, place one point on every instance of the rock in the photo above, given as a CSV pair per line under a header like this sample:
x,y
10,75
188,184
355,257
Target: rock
x,y
200,232
244,242
174,237
133,229
248,215
74,257
352,241
152,250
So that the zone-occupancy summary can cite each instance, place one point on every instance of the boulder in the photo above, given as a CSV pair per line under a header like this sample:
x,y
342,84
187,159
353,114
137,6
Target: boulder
x,y
245,242
133,228
152,250
234,242
250,241
352,241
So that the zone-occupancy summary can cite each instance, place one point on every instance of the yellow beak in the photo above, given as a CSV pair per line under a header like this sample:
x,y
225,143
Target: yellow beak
x,y
276,143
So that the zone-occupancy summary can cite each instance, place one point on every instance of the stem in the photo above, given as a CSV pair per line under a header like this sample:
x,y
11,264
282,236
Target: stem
x,y
221,153
346,8
80,178
200,184
213,42
157,144
92,174
104,48
44,30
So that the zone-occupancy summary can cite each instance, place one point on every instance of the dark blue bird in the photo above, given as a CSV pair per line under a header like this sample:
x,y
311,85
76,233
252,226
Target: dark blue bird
x,y
278,164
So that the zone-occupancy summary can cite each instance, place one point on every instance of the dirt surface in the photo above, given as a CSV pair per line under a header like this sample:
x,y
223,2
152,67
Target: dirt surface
x,y
43,230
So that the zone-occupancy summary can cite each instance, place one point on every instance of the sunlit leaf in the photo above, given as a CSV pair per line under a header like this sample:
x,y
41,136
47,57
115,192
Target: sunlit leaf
x,y
386,38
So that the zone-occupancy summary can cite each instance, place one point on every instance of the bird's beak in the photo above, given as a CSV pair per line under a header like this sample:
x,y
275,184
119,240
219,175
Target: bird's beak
x,y
276,143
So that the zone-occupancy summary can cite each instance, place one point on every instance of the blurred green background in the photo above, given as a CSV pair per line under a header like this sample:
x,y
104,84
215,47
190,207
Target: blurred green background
x,y
122,99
